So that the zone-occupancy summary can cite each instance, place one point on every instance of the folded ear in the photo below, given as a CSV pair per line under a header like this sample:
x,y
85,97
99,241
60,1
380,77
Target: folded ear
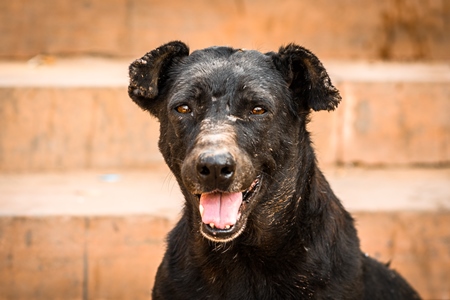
x,y
307,78
149,74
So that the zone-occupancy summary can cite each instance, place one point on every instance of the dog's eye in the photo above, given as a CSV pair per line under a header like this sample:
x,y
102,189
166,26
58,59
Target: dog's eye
x,y
258,110
183,109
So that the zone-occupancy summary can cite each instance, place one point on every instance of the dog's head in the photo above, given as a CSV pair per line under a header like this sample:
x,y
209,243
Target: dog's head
x,y
231,123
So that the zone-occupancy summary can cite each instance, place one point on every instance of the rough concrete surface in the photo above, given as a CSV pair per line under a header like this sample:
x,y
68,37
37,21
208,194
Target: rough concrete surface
x,y
75,113
155,191
368,29
99,234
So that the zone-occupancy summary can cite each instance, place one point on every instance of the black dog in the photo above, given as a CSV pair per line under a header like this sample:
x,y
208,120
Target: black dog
x,y
260,220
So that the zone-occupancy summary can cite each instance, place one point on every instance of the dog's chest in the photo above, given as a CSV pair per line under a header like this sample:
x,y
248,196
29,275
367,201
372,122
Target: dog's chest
x,y
256,279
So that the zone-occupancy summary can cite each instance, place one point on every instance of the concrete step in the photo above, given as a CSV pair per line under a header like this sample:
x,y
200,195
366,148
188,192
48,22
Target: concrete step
x,y
333,29
391,114
67,114
97,235
72,114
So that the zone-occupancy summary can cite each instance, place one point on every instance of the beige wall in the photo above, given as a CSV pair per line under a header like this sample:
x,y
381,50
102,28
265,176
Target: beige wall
x,y
345,29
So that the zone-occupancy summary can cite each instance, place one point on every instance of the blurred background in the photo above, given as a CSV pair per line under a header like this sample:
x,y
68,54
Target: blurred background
x,y
85,198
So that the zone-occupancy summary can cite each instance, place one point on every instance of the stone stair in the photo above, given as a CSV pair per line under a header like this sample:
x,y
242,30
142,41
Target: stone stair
x,y
94,234
85,198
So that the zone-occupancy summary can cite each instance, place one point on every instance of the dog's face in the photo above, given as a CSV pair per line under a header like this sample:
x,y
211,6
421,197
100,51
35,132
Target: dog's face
x,y
221,110
230,122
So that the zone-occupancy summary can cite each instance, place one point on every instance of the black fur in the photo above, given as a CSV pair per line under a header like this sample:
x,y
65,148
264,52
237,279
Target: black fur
x,y
234,121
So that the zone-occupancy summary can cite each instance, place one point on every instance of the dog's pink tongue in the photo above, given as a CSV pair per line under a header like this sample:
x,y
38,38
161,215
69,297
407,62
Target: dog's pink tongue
x,y
220,209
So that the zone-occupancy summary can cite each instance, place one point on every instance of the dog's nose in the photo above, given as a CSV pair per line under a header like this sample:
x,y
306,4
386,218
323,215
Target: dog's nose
x,y
216,170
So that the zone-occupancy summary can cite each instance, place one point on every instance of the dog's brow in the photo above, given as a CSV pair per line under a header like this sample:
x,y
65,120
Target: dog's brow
x,y
207,68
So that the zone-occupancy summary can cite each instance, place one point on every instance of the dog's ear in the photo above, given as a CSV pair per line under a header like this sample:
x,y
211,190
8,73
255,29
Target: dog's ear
x,y
149,73
307,78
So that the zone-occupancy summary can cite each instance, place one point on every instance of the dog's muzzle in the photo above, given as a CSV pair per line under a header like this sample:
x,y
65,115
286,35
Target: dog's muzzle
x,y
222,177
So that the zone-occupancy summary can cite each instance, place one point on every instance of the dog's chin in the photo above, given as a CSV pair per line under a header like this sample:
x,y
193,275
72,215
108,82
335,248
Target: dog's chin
x,y
229,233
223,235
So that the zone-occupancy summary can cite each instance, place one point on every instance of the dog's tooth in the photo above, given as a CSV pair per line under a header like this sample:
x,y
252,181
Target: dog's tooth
x,y
212,225
227,226
202,209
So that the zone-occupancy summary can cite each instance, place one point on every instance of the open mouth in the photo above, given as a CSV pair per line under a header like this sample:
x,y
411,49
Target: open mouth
x,y
224,214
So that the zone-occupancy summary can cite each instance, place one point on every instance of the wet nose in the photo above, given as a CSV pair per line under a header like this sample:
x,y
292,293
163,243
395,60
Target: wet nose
x,y
216,170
